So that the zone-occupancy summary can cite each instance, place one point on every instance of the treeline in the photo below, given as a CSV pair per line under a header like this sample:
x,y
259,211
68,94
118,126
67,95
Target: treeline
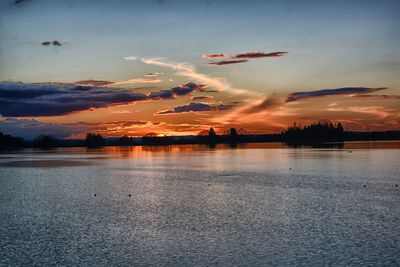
x,y
314,133
7,140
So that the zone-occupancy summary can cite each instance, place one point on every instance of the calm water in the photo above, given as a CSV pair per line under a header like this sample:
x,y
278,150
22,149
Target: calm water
x,y
193,205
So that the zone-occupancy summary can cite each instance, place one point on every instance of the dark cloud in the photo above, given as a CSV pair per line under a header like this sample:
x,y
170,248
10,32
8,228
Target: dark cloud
x,y
202,97
55,43
227,62
329,92
379,96
94,82
260,54
196,107
17,2
25,100
209,91
176,91
29,129
214,56
269,102
246,55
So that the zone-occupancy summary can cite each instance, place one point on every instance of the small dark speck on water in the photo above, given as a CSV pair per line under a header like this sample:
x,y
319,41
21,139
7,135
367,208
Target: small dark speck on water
x,y
397,185
365,186
209,184
130,195
95,195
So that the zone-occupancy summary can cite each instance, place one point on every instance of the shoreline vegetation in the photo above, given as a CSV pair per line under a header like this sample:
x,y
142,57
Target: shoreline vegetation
x,y
315,134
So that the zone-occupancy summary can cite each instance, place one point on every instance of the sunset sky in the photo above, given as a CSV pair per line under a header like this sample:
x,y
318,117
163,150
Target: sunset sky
x,y
178,67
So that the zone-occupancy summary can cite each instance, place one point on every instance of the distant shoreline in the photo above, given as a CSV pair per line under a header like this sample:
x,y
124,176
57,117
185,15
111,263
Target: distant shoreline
x,y
214,140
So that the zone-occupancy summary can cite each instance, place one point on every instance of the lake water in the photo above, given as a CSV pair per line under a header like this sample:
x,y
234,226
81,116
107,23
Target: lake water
x,y
250,205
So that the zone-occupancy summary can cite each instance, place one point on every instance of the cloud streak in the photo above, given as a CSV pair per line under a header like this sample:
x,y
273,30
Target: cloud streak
x,y
246,55
270,102
331,92
202,97
195,107
227,62
260,54
378,96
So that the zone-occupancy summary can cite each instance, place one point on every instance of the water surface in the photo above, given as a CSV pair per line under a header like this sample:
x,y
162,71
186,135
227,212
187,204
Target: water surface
x,y
257,204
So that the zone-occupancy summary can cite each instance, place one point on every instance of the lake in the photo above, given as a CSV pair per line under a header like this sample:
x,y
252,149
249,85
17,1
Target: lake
x,y
192,205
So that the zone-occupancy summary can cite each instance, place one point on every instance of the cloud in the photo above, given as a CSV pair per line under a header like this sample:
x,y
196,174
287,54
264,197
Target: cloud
x,y
246,55
55,43
202,97
138,80
187,70
154,74
260,54
121,111
94,82
196,107
214,56
378,96
175,91
269,102
209,91
26,100
227,62
149,79
329,92
30,129
378,111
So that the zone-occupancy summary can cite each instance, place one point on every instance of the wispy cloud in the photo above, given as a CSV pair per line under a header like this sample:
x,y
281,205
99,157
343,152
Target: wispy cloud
x,y
202,97
150,78
378,96
227,62
267,103
139,80
378,111
187,70
195,107
94,82
330,92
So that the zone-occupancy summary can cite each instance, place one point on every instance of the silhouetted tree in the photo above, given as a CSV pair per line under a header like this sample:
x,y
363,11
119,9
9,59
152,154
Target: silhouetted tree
x,y
233,132
124,140
8,141
322,130
45,141
211,132
94,140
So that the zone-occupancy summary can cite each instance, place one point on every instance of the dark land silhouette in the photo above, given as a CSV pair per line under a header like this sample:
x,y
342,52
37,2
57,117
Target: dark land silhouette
x,y
317,134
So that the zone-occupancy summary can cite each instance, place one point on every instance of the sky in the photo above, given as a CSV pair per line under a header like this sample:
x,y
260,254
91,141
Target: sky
x,y
178,67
